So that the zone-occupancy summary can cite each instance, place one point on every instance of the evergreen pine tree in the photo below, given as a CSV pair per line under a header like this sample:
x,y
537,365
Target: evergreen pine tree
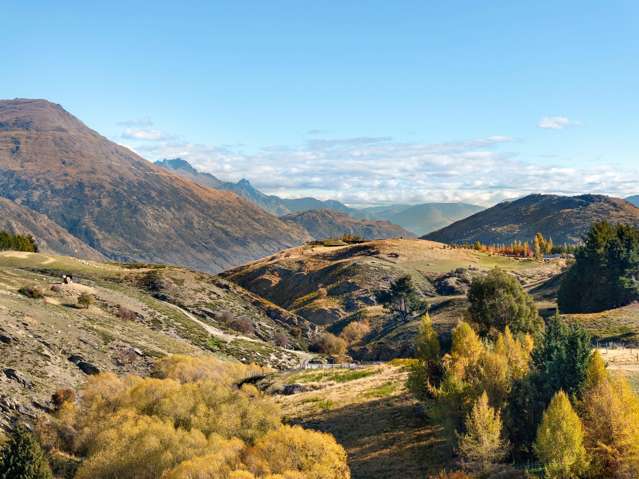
x,y
22,458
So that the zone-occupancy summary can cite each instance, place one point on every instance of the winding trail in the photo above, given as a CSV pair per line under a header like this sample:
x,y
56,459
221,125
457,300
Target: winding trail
x,y
218,333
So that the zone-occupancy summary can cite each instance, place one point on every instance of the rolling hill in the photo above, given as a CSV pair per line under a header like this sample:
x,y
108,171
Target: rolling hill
x,y
563,218
271,203
333,286
49,236
323,224
120,204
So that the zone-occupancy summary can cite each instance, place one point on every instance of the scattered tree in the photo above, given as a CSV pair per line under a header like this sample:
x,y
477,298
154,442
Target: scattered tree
x,y
401,298
498,300
560,440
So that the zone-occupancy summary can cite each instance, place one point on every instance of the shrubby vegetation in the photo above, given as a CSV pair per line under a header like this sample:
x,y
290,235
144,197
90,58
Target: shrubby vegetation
x,y
22,458
187,421
327,343
13,242
606,271
544,400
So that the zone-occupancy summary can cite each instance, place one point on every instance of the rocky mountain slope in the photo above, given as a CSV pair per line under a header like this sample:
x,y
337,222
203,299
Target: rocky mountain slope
x,y
49,236
122,205
422,218
563,218
323,224
139,313
271,203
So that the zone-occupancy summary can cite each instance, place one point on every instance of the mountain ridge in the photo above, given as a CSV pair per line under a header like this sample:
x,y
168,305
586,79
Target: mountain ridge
x,y
565,219
271,203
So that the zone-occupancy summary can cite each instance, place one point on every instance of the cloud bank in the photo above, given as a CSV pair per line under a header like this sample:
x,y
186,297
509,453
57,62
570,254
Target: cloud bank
x,y
380,170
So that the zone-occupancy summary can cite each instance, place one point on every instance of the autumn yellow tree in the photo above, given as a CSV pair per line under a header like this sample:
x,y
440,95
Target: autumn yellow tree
x,y
560,440
482,445
610,411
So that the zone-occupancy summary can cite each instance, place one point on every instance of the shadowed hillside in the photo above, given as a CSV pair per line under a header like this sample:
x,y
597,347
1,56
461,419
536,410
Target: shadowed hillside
x,y
322,224
49,236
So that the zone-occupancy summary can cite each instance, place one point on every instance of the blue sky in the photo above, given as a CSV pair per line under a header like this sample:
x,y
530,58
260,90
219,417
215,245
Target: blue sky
x,y
365,101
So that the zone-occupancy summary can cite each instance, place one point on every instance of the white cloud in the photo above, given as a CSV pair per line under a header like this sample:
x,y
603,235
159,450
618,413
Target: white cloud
x,y
380,170
556,122
145,134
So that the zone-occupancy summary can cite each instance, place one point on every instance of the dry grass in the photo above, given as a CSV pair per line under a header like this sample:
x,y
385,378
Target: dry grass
x,y
375,419
619,325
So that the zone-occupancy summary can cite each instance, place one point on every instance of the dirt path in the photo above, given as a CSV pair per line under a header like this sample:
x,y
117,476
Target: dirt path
x,y
218,333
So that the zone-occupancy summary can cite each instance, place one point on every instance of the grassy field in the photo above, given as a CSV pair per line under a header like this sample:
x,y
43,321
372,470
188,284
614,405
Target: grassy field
x,y
616,325
372,415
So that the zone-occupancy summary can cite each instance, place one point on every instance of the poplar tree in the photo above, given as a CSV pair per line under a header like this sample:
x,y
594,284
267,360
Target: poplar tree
x,y
560,440
482,445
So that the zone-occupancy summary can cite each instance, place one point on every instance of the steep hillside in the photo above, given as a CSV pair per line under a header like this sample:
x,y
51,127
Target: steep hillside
x,y
122,205
49,236
332,286
563,218
271,203
139,313
423,218
633,199
323,224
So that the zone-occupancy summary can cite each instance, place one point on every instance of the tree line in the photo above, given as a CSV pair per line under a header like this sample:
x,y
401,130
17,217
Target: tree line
x,y
16,242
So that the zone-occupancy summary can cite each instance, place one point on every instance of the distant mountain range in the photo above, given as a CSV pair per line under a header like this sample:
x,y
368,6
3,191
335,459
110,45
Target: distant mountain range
x,y
271,203
417,219
326,223
633,199
120,204
422,218
563,218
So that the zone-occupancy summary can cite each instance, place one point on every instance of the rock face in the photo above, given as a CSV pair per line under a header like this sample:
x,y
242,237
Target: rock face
x,y
49,237
120,204
565,219
323,224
